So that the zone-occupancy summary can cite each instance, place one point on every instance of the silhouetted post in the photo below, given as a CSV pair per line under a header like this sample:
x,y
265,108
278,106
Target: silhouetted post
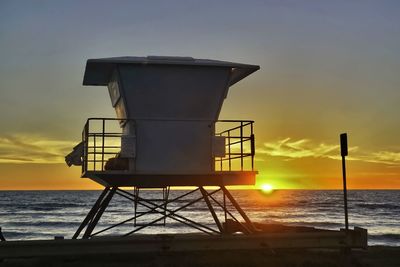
x,y
344,153
1,236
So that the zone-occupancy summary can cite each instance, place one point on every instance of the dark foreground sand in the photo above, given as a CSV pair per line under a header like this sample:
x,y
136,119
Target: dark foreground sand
x,y
374,256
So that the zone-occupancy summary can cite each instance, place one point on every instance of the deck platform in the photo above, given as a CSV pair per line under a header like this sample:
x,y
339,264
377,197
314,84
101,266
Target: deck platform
x,y
124,178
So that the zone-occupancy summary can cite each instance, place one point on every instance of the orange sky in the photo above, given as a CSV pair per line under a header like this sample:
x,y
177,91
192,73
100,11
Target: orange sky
x,y
326,68
310,173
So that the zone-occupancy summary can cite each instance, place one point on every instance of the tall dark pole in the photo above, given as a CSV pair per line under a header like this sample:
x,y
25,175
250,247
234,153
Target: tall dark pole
x,y
344,153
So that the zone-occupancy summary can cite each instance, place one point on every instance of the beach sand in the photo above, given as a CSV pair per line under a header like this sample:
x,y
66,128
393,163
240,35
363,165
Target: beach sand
x,y
374,256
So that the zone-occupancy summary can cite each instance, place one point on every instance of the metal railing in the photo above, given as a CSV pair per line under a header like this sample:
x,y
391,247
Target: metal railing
x,y
102,140
240,146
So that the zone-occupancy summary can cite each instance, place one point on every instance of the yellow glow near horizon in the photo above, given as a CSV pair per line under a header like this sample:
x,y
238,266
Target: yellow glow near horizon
x,y
267,188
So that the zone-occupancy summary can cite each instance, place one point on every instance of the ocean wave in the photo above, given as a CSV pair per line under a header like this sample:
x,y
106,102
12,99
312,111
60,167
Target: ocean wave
x,y
388,236
378,206
15,234
44,206
44,224
18,214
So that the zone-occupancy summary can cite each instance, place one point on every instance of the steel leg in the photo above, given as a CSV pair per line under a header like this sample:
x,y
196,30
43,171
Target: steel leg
x,y
91,213
100,211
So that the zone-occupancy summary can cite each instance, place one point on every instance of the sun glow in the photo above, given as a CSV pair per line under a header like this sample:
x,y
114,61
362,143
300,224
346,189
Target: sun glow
x,y
266,188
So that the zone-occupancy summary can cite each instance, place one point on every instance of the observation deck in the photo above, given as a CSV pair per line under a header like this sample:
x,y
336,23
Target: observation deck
x,y
227,150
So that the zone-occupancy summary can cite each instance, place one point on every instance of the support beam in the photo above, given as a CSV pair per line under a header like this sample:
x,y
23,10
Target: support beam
x,y
239,209
91,213
100,211
210,207
172,213
154,206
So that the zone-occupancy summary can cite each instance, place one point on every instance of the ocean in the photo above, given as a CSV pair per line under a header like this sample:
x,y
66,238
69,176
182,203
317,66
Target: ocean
x,y
28,215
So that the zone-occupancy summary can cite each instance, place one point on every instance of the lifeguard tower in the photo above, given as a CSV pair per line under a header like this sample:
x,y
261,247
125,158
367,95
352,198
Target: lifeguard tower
x,y
167,133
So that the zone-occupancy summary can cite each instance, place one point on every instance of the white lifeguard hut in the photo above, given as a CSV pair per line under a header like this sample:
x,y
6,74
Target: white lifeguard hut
x,y
166,133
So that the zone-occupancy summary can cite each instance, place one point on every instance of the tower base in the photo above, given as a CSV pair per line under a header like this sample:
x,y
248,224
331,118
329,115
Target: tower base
x,y
219,202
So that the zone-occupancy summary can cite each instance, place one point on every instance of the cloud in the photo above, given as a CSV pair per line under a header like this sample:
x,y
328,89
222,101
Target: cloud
x,y
33,149
298,149
37,149
302,148
387,157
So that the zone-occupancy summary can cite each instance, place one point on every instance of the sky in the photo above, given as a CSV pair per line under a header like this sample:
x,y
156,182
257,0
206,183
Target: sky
x,y
327,67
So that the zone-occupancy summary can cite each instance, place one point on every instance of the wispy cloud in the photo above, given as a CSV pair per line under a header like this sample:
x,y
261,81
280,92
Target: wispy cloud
x,y
298,149
33,149
36,149
302,148
387,157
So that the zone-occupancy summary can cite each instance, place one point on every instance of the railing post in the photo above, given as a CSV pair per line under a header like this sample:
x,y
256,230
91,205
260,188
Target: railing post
x,y
253,146
83,140
241,145
229,150
86,153
253,150
94,151
220,164
102,144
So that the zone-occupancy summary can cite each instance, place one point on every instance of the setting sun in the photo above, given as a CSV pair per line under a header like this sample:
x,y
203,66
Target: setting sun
x,y
267,188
